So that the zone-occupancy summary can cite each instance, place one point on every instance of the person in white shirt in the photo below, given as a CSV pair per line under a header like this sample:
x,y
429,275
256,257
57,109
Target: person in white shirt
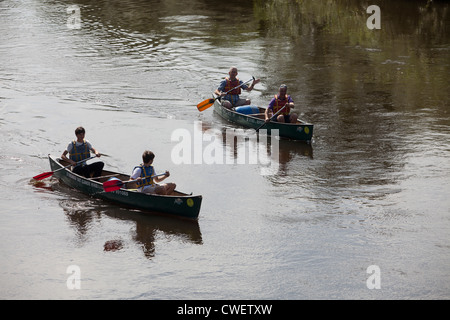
x,y
145,173
79,150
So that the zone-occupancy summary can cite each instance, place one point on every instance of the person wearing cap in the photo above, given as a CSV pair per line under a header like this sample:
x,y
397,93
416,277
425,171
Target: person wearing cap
x,y
277,103
232,99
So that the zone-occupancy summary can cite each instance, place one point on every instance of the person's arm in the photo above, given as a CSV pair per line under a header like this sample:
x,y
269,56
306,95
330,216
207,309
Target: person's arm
x,y
64,155
219,90
136,175
162,178
290,102
267,117
97,154
220,93
269,108
252,85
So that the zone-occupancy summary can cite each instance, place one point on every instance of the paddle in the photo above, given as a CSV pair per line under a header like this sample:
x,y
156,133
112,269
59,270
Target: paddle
x,y
116,184
50,173
272,117
202,106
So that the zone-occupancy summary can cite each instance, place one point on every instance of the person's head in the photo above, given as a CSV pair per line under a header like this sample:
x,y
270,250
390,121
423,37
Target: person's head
x,y
148,156
233,72
283,90
80,132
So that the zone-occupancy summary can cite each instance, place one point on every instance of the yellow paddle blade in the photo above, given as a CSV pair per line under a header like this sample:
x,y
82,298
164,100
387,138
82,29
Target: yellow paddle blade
x,y
202,106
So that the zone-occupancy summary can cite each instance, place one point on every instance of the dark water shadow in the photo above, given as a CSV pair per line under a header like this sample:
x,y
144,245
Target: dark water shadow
x,y
83,212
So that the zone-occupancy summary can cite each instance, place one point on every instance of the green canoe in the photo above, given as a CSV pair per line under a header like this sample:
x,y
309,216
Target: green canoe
x,y
301,130
177,204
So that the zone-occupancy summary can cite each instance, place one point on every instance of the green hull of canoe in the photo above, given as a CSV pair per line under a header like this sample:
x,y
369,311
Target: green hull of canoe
x,y
180,205
295,131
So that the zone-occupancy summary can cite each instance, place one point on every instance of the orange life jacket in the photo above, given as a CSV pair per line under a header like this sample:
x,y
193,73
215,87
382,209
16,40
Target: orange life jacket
x,y
230,85
280,104
79,153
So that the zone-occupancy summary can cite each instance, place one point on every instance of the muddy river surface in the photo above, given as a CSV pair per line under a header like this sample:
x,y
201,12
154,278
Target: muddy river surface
x,y
363,212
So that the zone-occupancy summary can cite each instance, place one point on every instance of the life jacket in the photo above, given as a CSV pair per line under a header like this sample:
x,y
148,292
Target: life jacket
x,y
230,85
146,175
280,104
79,153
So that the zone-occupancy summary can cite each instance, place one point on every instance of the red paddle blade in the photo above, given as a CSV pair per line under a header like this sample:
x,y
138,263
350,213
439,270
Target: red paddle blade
x,y
202,106
43,175
112,185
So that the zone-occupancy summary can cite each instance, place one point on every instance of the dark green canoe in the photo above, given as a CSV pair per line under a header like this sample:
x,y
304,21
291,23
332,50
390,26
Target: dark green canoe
x,y
295,131
178,204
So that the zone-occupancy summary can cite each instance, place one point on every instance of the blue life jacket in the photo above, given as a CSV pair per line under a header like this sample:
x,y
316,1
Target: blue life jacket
x,y
146,174
79,153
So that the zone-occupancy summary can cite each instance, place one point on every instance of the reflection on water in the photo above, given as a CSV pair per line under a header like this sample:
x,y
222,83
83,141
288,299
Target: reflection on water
x,y
222,143
367,114
399,67
83,213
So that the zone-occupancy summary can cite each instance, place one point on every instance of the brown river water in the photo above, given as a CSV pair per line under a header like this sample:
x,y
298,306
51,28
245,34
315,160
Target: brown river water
x,y
371,191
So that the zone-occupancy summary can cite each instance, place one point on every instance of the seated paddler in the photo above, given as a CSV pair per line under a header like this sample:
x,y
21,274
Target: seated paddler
x,y
79,150
232,99
281,105
148,180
